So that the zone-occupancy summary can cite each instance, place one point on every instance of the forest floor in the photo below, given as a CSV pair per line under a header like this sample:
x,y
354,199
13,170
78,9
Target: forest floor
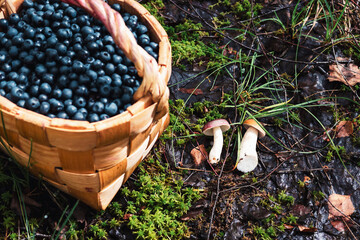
x,y
292,66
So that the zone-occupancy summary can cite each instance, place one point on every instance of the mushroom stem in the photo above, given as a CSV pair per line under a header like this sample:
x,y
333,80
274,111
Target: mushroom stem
x,y
248,156
215,151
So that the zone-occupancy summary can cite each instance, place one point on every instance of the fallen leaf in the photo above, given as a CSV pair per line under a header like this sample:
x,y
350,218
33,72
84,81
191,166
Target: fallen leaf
x,y
199,154
344,129
286,226
338,225
195,91
127,216
340,205
191,214
337,72
307,229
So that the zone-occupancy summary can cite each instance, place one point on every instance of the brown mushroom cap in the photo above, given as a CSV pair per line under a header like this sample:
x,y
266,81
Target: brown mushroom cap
x,y
252,123
222,123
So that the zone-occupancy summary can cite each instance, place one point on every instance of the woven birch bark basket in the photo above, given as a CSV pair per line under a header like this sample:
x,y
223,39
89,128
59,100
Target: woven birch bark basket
x,y
91,161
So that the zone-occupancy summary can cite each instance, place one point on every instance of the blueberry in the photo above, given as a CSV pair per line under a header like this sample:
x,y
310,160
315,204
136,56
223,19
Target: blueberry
x,y
116,7
109,68
78,67
104,116
28,44
27,4
81,91
32,103
6,68
44,108
3,57
68,102
105,56
65,24
6,43
48,78
9,86
75,28
50,115
13,76
56,105
154,46
98,107
29,59
63,81
104,90
43,97
56,93
97,64
116,59
80,102
2,77
86,30
40,56
51,54
84,79
61,48
64,33
144,40
21,26
83,54
110,49
50,64
34,90
14,18
121,69
29,32
71,12
63,115
83,111
16,93
13,51
111,109
4,24
52,41
48,32
93,117
92,46
71,110
44,88
126,98
21,103
71,54
38,21
141,29
91,74
79,116
108,40
24,70
15,64
18,40
104,80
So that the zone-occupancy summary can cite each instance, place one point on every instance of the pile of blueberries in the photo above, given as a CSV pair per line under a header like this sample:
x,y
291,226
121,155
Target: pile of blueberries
x,y
57,60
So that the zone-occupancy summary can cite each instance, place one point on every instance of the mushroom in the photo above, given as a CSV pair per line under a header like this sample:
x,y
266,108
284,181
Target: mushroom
x,y
248,156
216,128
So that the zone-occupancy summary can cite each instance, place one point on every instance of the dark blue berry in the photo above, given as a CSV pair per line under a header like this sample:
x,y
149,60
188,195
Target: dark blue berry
x,y
56,93
105,56
45,88
56,105
32,103
104,116
111,109
62,115
78,67
43,97
44,108
79,116
71,110
98,107
93,117
79,102
105,90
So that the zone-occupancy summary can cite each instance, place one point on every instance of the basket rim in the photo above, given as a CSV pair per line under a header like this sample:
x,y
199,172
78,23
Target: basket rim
x,y
136,107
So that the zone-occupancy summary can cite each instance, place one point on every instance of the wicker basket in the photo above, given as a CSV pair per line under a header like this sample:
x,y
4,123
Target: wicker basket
x,y
91,161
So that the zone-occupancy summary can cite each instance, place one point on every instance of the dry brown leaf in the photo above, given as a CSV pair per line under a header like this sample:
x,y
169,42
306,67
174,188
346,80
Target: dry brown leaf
x,y
337,72
287,226
194,91
344,129
340,205
338,225
307,229
199,154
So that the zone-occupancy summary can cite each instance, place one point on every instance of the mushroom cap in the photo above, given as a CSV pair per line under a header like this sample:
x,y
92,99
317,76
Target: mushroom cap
x,y
252,123
222,123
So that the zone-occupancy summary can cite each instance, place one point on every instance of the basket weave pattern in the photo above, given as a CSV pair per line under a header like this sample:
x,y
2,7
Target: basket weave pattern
x,y
91,161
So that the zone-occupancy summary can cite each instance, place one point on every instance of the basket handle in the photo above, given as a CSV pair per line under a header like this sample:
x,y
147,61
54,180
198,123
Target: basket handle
x,y
145,64
9,7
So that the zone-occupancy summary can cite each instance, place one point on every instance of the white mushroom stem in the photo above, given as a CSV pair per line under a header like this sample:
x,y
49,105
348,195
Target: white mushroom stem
x,y
215,151
248,156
